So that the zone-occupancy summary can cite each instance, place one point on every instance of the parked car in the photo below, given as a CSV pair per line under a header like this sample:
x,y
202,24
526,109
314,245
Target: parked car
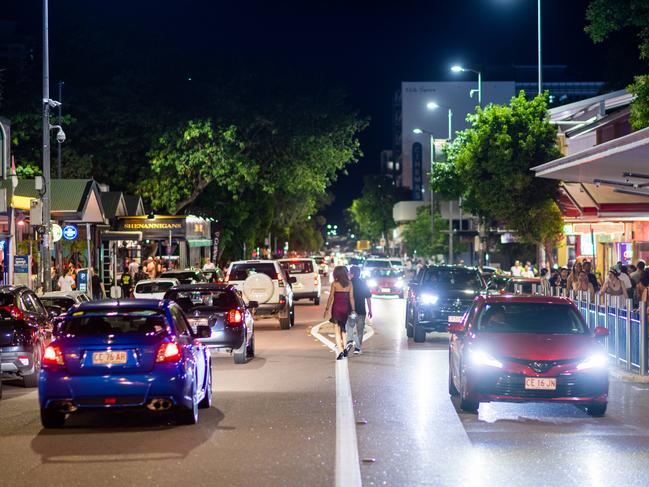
x,y
23,324
308,284
522,285
64,299
440,294
222,309
265,282
125,354
185,276
525,348
386,282
154,288
215,276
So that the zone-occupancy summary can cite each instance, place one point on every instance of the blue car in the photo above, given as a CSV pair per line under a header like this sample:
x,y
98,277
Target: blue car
x,y
125,354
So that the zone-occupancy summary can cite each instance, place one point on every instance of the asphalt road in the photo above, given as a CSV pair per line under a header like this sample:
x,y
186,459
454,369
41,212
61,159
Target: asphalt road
x,y
274,424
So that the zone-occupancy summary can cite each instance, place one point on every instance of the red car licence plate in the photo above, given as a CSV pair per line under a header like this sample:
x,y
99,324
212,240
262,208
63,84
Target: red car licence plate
x,y
541,383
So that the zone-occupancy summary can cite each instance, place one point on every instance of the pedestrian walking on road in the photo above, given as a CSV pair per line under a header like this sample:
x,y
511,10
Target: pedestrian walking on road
x,y
356,326
341,303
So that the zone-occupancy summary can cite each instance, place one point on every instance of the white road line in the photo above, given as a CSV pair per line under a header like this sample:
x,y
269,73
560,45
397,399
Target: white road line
x,y
348,470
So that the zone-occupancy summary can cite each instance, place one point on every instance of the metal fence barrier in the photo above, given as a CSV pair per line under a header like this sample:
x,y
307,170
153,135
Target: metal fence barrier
x,y
627,340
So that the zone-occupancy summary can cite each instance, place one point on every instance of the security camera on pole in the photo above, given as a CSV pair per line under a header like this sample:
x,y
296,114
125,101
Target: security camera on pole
x,y
60,136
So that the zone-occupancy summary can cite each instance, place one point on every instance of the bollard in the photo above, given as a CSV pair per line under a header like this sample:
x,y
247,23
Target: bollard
x,y
617,332
588,319
643,337
629,307
535,289
518,288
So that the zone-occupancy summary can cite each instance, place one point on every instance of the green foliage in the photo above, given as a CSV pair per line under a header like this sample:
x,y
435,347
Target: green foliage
x,y
186,161
607,16
371,214
492,161
418,238
640,107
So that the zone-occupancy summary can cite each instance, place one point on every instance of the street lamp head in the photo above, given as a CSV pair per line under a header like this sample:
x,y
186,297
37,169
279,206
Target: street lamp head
x,y
432,105
417,131
457,68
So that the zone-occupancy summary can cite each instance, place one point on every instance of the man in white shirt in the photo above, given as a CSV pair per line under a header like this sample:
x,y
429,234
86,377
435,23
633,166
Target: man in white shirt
x,y
66,282
133,267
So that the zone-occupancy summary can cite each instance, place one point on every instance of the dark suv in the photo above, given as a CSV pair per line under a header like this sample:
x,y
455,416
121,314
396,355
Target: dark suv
x,y
23,321
438,295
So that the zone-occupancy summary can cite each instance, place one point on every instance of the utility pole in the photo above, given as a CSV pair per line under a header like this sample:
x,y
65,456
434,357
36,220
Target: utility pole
x,y
58,155
46,258
538,26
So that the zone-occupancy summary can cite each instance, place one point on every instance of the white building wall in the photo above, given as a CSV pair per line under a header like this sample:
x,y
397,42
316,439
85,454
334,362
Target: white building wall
x,y
454,94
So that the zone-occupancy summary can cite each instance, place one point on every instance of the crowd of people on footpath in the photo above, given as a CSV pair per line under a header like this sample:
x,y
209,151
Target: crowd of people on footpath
x,y
626,281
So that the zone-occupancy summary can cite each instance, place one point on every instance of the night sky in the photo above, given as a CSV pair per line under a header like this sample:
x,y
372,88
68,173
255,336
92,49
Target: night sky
x,y
368,47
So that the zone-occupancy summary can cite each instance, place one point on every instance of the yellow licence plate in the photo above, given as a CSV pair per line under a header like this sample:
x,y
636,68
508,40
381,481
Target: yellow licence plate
x,y
541,383
108,358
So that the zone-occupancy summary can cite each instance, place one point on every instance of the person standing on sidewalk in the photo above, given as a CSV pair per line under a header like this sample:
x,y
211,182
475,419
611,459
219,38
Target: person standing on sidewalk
x,y
356,326
341,303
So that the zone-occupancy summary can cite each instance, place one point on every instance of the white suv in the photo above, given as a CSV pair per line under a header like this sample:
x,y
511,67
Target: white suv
x,y
267,283
308,285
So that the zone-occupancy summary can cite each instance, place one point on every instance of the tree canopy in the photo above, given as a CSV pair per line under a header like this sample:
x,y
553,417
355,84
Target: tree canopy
x,y
371,214
608,16
490,162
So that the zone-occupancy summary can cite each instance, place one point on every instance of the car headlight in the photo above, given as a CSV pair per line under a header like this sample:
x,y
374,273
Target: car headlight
x,y
372,283
429,298
399,283
480,357
597,360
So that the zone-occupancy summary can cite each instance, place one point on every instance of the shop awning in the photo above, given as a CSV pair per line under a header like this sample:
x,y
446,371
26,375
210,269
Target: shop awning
x,y
199,242
608,180
121,235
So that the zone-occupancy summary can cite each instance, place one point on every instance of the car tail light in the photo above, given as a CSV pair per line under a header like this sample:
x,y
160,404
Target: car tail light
x,y
53,356
315,280
235,317
280,281
169,352
16,313
110,401
282,300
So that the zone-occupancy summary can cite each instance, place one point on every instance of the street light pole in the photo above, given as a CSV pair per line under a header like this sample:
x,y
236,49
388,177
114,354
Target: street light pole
x,y
459,69
419,131
47,265
538,26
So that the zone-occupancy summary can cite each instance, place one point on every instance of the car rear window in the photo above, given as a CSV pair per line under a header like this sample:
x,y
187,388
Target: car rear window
x,y
6,299
187,300
240,272
297,266
516,317
153,287
377,263
110,322
65,303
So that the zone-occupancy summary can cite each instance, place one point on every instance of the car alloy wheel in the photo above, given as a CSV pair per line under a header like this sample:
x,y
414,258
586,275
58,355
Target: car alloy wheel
x,y
241,353
466,404
188,415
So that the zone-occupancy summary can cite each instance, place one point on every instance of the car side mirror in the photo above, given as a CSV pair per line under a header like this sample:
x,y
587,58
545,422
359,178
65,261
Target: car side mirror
x,y
456,328
601,332
203,331
292,280
252,304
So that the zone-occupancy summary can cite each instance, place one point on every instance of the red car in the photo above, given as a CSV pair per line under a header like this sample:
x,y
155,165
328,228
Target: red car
x,y
527,348
388,282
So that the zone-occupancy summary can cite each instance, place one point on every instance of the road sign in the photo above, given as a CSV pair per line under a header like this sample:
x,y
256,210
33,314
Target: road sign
x,y
57,232
70,232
